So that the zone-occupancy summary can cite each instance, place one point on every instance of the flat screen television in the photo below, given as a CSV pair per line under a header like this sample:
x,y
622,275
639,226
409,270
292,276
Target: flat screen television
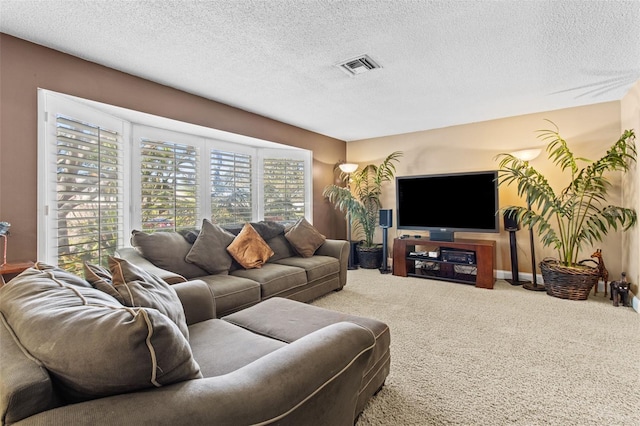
x,y
447,203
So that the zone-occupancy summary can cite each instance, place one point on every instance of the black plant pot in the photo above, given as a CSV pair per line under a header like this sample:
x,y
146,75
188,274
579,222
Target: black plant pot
x,y
370,257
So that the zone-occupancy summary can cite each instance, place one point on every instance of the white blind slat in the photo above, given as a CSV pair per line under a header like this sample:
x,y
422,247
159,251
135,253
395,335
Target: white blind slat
x,y
89,182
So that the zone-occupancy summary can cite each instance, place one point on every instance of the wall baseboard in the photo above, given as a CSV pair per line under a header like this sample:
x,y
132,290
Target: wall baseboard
x,y
527,276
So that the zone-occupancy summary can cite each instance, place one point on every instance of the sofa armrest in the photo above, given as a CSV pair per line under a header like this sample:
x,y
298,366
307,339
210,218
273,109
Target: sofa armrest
x,y
340,250
314,380
131,255
197,300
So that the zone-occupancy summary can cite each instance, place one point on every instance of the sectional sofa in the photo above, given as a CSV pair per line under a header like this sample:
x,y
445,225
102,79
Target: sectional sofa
x,y
245,265
125,346
75,355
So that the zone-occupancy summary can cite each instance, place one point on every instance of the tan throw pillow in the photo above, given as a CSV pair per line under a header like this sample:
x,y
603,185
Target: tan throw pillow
x,y
138,288
90,344
249,249
209,250
304,238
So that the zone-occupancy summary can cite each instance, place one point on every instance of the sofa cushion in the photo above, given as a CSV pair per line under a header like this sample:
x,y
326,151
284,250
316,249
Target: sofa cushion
x,y
91,344
26,388
166,250
249,249
232,293
222,348
138,288
274,279
304,238
209,250
317,267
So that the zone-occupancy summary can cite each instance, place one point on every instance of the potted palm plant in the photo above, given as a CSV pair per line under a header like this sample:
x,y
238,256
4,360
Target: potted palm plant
x,y
575,216
360,199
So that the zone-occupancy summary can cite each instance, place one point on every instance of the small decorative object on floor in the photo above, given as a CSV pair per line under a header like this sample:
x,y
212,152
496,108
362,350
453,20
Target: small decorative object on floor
x,y
602,270
620,291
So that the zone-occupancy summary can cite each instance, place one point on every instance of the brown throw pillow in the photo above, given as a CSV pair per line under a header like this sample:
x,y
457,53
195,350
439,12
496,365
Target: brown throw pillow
x,y
249,249
304,238
136,287
209,250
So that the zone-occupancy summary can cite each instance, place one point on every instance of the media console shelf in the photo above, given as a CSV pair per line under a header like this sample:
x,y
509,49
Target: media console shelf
x,y
481,273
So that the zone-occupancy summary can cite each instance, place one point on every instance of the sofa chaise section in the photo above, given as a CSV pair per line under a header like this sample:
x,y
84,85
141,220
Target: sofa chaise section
x,y
243,377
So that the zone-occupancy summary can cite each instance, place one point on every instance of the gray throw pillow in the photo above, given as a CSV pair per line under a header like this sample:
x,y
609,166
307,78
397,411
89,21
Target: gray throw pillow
x,y
304,238
209,251
138,288
166,250
100,277
91,345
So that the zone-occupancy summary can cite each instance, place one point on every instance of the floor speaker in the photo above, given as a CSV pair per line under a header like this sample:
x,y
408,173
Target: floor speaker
x,y
386,218
511,223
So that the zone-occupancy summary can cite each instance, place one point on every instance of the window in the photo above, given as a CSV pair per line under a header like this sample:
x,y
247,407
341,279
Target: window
x,y
231,187
83,188
284,189
106,171
169,185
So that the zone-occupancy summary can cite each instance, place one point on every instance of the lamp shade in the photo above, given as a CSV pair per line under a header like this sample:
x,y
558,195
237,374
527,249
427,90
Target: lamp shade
x,y
348,167
527,154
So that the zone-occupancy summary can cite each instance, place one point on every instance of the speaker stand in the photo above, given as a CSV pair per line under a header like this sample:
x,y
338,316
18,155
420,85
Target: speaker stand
x,y
351,265
385,268
534,285
515,279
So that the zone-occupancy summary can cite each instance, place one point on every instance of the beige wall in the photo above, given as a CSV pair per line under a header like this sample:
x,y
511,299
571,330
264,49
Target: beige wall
x,y
590,130
630,119
25,67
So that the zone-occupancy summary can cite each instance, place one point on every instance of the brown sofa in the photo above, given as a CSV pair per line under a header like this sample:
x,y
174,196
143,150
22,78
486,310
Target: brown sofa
x,y
73,354
299,263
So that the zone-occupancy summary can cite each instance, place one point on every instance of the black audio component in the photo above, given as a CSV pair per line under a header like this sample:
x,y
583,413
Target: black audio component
x,y
458,256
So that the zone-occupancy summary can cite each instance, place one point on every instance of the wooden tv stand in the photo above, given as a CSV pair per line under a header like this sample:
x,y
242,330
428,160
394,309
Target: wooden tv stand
x,y
483,274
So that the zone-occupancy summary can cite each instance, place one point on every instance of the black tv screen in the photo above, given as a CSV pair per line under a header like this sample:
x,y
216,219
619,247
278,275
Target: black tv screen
x,y
446,203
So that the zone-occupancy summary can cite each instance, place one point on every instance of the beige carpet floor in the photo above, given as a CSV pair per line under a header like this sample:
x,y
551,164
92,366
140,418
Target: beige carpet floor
x,y
507,356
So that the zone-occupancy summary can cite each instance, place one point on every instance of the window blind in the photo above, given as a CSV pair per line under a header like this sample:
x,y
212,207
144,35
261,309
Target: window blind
x,y
89,200
169,185
284,189
231,187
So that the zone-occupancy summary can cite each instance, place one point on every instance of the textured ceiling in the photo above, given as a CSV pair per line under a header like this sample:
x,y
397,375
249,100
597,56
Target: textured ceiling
x,y
443,62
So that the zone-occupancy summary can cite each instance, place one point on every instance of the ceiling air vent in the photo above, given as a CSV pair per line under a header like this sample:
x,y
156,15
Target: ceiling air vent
x,y
358,65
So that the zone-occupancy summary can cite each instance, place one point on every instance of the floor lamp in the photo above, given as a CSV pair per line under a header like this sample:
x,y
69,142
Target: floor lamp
x,y
528,155
349,168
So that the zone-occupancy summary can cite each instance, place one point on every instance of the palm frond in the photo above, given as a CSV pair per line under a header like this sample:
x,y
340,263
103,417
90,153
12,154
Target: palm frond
x,y
577,215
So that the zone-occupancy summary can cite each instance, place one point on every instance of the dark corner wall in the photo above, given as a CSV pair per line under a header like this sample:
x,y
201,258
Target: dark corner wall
x,y
25,67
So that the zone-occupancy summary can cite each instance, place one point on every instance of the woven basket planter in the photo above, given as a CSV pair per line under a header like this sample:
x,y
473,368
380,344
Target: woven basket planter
x,y
369,257
566,282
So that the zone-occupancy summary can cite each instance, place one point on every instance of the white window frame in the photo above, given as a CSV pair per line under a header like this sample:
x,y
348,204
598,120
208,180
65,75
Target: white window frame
x,y
300,155
131,123
48,104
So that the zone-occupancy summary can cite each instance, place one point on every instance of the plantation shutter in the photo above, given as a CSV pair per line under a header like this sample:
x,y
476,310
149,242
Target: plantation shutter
x,y
89,202
169,185
231,187
284,189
